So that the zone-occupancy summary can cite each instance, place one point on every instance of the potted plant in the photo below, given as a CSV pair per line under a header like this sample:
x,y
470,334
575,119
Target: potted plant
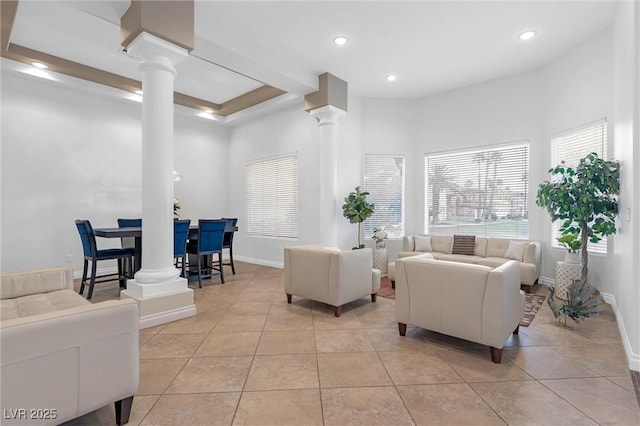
x,y
572,244
357,210
585,198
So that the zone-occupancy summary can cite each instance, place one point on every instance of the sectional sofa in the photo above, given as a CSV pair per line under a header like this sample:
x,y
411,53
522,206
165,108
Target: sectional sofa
x,y
491,252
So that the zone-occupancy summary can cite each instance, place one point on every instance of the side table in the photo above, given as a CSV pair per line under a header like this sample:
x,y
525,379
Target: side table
x,y
565,274
380,260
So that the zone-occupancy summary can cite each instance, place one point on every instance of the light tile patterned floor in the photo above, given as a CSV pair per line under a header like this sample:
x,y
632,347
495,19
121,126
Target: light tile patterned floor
x,y
249,358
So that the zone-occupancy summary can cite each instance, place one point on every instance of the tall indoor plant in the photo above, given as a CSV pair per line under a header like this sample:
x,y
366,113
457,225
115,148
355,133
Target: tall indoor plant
x,y
585,198
357,210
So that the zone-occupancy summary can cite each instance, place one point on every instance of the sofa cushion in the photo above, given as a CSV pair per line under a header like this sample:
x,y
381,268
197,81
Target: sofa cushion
x,y
464,244
41,303
423,243
516,250
481,246
441,243
497,247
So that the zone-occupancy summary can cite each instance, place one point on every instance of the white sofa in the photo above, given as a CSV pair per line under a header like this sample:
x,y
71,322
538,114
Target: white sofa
x,y
487,251
329,275
63,356
472,302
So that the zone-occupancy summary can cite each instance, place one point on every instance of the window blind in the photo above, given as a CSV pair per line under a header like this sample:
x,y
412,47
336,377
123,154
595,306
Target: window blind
x,y
480,192
384,180
571,146
272,197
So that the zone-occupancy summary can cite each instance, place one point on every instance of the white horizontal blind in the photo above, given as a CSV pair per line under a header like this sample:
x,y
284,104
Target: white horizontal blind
x,y
272,197
384,180
480,192
571,146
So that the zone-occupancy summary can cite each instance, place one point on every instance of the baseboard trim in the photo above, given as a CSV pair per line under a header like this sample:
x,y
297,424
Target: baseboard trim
x,y
633,359
168,316
279,265
546,281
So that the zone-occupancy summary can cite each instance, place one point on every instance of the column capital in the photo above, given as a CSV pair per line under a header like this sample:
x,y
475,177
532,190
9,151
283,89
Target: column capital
x,y
151,49
327,114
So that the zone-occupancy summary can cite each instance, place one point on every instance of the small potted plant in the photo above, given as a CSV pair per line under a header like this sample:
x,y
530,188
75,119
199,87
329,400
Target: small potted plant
x,y
572,243
357,210
379,235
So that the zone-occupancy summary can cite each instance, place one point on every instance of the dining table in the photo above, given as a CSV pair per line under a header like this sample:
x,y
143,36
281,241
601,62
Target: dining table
x,y
136,234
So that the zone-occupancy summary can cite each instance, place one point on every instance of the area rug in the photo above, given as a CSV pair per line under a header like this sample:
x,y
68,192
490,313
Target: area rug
x,y
532,302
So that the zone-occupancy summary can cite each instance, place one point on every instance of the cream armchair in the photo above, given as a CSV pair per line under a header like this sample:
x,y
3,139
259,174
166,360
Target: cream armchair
x,y
471,302
330,276
63,356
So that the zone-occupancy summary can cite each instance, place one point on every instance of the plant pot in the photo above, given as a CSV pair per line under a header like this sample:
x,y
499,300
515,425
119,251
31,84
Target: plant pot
x,y
572,257
380,244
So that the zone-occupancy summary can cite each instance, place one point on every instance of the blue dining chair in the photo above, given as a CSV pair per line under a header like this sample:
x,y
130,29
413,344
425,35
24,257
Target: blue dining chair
x,y
91,253
180,233
129,242
227,242
209,242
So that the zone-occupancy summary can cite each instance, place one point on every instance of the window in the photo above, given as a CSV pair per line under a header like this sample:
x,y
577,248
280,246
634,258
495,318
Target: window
x,y
480,192
272,197
384,180
571,146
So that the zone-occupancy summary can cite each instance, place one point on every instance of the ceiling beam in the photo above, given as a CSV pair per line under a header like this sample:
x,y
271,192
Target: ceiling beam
x,y
8,11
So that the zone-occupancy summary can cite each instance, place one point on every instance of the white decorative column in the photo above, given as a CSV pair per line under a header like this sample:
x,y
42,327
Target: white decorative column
x,y
162,294
327,117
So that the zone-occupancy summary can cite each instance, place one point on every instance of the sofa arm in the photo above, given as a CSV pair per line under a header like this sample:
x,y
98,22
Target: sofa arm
x,y
503,307
533,255
375,280
408,243
24,283
74,360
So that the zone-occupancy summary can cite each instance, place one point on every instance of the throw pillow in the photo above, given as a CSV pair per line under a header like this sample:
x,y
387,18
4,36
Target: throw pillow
x,y
516,250
464,244
423,243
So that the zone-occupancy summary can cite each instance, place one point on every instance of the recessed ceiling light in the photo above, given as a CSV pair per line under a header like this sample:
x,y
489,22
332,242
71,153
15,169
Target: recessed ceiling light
x,y
39,65
392,77
527,35
340,41
138,92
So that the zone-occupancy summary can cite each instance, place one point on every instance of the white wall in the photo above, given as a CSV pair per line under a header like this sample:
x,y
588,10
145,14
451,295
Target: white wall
x,y
626,145
73,154
578,90
287,131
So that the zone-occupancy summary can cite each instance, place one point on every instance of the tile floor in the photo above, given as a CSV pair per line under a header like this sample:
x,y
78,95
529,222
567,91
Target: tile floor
x,y
249,358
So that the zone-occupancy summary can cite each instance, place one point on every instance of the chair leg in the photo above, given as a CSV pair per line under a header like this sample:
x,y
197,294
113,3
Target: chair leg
x,y
221,267
517,330
199,270
402,329
374,297
233,267
84,275
337,310
121,272
496,355
288,298
123,410
393,284
184,270
92,282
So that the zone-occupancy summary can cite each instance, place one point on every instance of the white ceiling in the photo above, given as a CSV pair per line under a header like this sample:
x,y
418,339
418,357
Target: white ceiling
x,y
431,46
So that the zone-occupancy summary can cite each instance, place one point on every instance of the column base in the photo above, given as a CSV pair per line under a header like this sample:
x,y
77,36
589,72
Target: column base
x,y
163,308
